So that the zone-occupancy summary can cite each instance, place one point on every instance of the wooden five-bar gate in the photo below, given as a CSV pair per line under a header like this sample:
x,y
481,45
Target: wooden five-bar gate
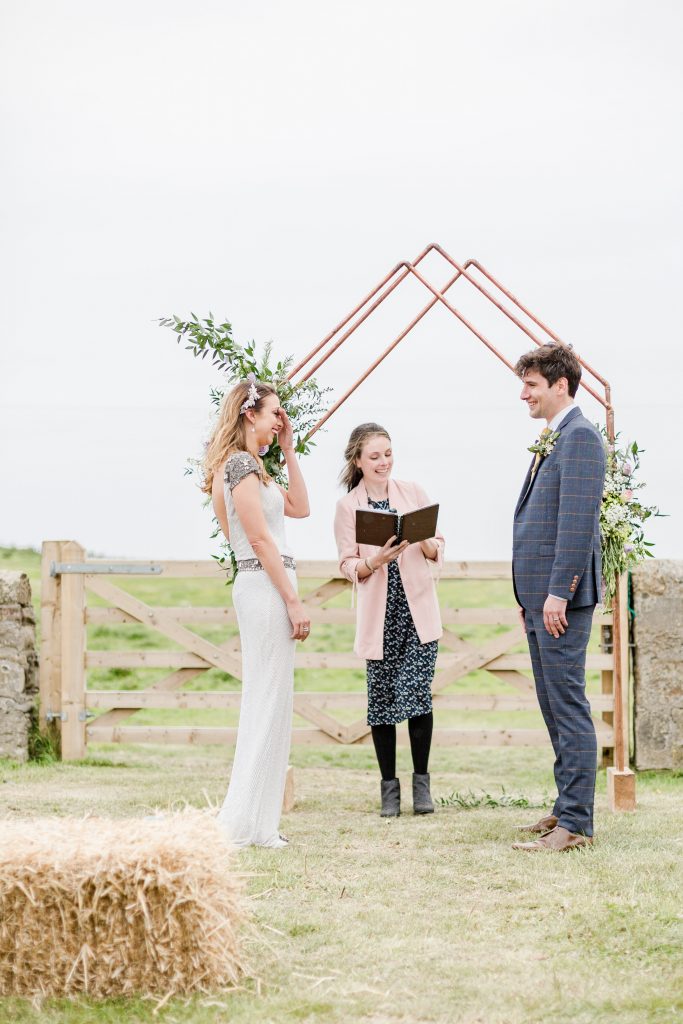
x,y
77,714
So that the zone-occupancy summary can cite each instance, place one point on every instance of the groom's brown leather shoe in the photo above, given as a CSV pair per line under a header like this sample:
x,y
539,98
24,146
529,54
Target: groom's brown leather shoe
x,y
544,825
557,841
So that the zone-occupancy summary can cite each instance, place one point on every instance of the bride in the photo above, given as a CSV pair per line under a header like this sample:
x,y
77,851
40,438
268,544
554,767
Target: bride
x,y
250,508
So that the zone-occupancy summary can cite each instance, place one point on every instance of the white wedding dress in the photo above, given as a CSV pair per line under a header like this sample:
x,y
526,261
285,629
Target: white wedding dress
x,y
250,814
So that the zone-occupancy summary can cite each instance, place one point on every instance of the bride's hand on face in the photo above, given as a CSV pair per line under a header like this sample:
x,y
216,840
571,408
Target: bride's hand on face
x,y
285,437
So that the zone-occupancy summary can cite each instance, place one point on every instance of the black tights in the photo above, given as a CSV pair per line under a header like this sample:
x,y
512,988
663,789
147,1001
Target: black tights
x,y
420,732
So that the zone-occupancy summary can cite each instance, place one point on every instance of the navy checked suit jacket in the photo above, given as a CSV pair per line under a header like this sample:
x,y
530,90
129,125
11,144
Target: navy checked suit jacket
x,y
556,533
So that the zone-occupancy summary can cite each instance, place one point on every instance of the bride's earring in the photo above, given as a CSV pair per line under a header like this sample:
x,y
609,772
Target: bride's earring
x,y
253,430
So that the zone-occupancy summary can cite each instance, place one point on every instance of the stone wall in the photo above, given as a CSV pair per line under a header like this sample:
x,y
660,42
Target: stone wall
x,y
18,665
658,663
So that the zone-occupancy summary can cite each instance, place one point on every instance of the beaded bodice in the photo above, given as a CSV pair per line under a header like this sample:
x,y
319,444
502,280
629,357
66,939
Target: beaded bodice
x,y
239,465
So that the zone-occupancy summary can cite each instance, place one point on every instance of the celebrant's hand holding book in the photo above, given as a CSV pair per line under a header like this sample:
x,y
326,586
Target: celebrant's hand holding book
x,y
376,527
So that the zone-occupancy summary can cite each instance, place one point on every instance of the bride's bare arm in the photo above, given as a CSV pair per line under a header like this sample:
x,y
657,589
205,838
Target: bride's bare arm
x,y
247,499
296,495
218,502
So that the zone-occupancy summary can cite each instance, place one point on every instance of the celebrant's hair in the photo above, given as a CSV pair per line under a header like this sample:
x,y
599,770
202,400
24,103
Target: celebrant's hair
x,y
360,435
230,432
552,361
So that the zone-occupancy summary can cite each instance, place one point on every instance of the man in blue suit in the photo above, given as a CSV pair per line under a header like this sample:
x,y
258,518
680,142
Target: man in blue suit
x,y
556,571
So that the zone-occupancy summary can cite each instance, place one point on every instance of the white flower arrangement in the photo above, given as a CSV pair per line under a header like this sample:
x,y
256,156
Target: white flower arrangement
x,y
252,397
622,515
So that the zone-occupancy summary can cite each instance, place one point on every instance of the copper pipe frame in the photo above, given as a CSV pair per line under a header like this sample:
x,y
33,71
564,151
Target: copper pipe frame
x,y
399,273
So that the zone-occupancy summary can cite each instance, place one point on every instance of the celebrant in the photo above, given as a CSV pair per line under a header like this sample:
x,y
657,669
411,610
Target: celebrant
x,y
398,621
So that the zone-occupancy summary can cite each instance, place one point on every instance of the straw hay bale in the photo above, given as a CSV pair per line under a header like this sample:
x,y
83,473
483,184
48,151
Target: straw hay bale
x,y
116,907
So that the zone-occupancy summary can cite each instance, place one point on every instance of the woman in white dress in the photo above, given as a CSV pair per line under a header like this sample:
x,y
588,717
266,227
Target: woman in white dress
x,y
250,507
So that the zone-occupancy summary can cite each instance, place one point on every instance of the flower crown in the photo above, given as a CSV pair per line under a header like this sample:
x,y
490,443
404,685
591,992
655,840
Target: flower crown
x,y
253,396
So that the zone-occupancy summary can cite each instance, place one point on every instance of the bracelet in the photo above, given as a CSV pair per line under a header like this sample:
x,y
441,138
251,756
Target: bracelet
x,y
369,567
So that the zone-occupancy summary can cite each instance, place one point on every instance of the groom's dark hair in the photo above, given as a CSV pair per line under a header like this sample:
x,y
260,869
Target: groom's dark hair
x,y
552,361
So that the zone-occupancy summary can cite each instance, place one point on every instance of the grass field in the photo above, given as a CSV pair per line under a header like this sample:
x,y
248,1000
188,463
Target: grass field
x,y
411,920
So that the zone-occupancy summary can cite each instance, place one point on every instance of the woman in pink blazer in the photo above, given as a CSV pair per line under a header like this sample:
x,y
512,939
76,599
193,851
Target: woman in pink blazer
x,y
398,621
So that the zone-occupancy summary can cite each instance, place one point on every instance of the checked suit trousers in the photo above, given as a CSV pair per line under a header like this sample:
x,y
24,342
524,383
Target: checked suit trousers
x,y
560,674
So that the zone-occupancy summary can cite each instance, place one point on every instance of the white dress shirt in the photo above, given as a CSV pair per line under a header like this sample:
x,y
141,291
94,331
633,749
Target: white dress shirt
x,y
560,417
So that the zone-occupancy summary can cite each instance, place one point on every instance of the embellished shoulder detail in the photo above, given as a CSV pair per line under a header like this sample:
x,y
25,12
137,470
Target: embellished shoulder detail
x,y
239,465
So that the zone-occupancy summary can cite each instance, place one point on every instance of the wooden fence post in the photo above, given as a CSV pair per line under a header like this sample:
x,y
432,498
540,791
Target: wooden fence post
x,y
288,798
621,782
51,646
73,656
607,687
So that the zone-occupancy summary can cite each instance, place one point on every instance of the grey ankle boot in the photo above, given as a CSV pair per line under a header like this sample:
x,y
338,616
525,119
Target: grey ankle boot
x,y
422,798
391,798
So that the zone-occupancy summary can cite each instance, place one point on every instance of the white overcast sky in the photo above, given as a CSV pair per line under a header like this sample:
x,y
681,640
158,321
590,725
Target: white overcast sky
x,y
271,162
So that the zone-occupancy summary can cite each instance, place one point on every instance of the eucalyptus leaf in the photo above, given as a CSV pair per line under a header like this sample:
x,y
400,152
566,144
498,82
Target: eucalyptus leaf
x,y
304,403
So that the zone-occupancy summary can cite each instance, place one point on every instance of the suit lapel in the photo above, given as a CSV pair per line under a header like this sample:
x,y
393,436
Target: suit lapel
x,y
529,480
569,417
525,488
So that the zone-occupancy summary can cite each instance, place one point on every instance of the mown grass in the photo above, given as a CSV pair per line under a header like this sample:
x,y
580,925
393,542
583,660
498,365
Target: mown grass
x,y
418,919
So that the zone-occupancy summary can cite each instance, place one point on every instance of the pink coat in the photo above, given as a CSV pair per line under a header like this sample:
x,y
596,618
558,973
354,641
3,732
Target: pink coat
x,y
372,591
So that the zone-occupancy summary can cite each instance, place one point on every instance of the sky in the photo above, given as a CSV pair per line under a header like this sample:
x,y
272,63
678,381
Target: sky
x,y
272,162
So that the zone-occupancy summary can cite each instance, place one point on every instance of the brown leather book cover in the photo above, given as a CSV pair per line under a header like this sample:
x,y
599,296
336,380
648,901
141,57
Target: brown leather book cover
x,y
375,527
420,524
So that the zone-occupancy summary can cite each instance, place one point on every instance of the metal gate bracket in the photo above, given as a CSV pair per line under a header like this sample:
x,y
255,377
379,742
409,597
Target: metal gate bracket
x,y
51,716
107,568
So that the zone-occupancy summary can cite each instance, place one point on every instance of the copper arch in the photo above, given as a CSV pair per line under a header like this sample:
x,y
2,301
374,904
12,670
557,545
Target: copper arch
x,y
367,306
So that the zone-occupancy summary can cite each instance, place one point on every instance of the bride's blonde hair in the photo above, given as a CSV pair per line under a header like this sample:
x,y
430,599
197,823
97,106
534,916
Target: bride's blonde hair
x,y
229,435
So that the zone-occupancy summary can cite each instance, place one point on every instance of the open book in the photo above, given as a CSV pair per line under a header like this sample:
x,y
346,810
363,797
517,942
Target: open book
x,y
374,526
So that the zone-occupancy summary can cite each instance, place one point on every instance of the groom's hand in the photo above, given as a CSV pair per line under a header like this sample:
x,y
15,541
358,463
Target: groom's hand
x,y
554,616
522,618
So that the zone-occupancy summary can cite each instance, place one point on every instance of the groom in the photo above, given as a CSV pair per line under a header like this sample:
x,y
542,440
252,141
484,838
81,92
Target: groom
x,y
556,573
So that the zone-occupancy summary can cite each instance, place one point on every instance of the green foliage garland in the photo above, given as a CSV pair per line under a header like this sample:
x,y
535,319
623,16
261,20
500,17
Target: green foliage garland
x,y
622,516
304,403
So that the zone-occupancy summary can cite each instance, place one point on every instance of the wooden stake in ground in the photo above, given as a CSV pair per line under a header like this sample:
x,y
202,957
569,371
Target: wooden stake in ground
x,y
50,680
73,656
621,781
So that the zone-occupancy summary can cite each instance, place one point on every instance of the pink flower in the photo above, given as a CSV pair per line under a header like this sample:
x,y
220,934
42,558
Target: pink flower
x,y
628,495
627,468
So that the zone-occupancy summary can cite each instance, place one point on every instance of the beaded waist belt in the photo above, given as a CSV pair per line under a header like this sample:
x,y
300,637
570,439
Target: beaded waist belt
x,y
253,564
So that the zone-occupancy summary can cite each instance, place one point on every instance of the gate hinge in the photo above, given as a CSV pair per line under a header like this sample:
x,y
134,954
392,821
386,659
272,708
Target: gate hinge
x,y
50,716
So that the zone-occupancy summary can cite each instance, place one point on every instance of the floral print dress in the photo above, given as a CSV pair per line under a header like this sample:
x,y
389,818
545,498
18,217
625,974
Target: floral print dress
x,y
400,685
